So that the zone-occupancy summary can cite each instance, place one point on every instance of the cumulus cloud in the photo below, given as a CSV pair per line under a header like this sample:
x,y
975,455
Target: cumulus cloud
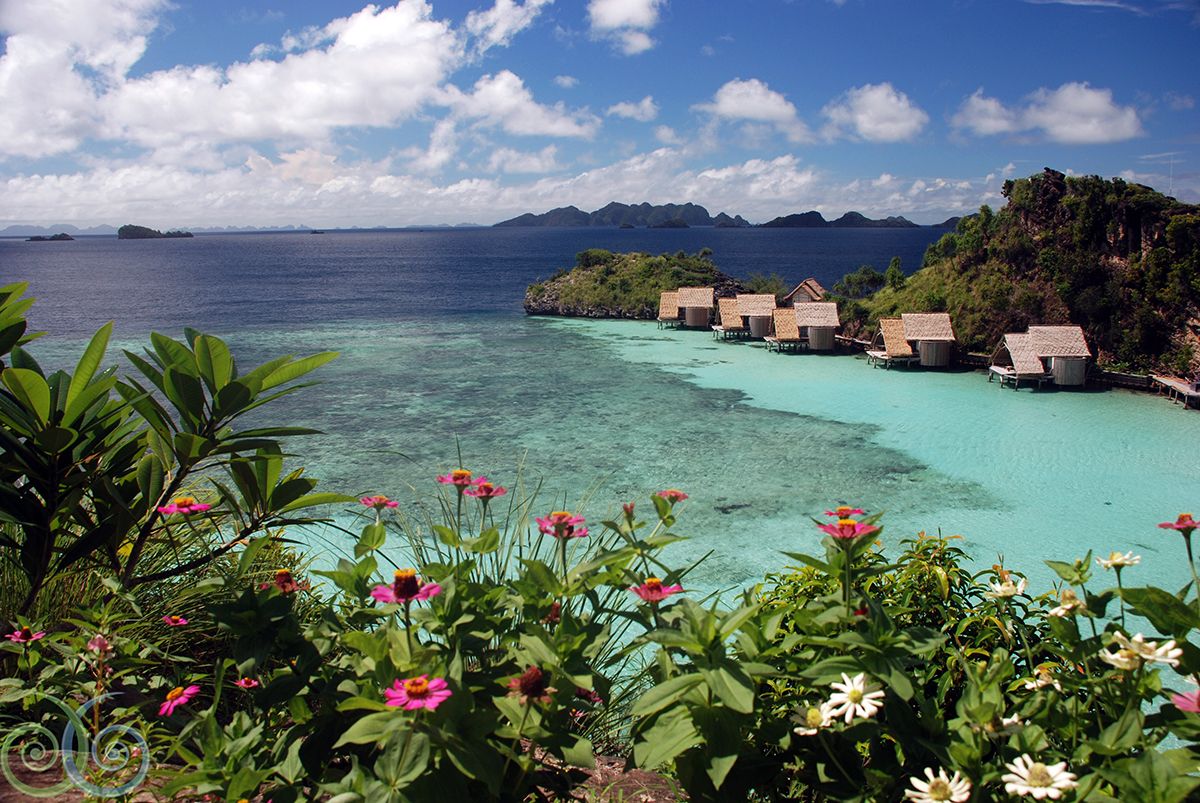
x,y
508,160
876,113
1074,114
755,101
443,145
566,81
643,111
625,22
500,23
503,100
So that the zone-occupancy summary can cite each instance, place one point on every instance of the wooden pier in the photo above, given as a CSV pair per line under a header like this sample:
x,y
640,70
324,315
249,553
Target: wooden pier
x,y
1176,390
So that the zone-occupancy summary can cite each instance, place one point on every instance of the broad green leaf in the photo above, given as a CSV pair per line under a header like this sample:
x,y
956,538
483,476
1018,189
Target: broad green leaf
x,y
89,363
732,687
404,759
214,361
372,729
1164,610
580,754
296,369
30,389
315,499
664,694
672,734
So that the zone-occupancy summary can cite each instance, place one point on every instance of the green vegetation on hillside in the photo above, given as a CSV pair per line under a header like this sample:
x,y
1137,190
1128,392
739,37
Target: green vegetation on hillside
x,y
1119,259
620,285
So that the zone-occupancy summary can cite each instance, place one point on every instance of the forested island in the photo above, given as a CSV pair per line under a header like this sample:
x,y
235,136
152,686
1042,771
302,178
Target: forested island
x,y
687,215
131,232
1117,258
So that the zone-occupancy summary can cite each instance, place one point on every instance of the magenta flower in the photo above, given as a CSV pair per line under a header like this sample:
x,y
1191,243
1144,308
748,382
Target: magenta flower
x,y
562,524
99,645
172,620
653,590
378,502
673,495
1187,701
24,635
485,490
418,692
1184,524
844,512
846,529
628,508
175,698
405,587
459,478
184,505
246,683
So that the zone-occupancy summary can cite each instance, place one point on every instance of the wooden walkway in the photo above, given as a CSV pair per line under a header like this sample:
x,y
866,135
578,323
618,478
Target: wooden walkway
x,y
1176,390
1008,375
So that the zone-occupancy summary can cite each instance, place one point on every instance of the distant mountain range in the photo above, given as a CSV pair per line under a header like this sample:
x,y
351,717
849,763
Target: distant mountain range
x,y
676,215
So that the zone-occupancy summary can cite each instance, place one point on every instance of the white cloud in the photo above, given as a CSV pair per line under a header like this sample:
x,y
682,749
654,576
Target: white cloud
x,y
876,113
566,81
625,22
1073,114
443,145
504,100
754,100
507,160
643,111
500,23
1178,102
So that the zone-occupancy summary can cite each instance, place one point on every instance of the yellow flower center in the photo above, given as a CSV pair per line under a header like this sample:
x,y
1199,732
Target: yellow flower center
x,y
1039,776
404,574
847,522
653,583
175,693
855,696
183,501
843,510
416,687
560,514
460,474
939,790
812,718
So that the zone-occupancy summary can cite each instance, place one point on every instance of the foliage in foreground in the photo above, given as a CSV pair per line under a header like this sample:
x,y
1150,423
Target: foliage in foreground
x,y
516,643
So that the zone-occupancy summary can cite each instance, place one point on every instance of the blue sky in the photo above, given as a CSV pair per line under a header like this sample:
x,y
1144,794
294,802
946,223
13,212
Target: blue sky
x,y
213,113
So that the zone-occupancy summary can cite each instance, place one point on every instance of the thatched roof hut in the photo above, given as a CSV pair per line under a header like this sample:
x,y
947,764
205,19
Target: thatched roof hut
x,y
1064,346
808,290
668,306
755,304
820,319
933,334
696,303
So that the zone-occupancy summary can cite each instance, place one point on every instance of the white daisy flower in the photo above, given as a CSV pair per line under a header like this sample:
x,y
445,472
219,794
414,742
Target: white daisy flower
x,y
814,719
939,788
1069,604
1005,589
1119,560
1029,777
854,698
1146,651
1124,659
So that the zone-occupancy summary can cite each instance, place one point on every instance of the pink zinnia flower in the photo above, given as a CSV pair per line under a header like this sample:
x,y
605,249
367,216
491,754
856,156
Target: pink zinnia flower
x,y
418,692
246,683
99,645
378,502
533,686
1184,524
172,620
485,490
628,508
175,698
1188,701
405,587
847,529
184,505
653,590
673,495
24,635
561,524
459,478
844,512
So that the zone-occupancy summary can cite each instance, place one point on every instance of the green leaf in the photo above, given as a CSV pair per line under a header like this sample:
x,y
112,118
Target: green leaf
x,y
671,734
732,687
185,392
30,389
88,364
404,759
214,361
293,370
1165,611
374,535
372,729
664,694
580,754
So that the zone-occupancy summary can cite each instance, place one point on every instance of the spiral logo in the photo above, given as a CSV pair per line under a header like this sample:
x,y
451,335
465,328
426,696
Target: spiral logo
x,y
112,751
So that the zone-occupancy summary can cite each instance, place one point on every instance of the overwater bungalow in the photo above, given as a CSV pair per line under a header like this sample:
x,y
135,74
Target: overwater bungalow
x,y
697,304
933,334
729,319
758,309
668,308
808,290
787,331
890,345
817,321
1022,357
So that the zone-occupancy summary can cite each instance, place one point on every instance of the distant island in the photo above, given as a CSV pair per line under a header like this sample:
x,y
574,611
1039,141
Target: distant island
x,y
627,216
62,236
678,216
131,232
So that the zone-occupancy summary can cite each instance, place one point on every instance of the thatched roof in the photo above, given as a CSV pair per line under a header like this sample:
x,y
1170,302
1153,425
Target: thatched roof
x,y
756,303
927,326
785,324
668,305
695,296
1059,341
817,313
731,318
808,290
894,341
1025,359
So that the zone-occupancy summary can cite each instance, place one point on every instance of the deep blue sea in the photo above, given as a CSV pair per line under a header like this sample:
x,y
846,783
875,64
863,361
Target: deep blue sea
x,y
438,357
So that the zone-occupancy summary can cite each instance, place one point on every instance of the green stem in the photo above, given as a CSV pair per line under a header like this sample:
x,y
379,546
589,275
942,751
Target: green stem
x,y
1121,596
833,757
1187,542
408,627
846,585
515,743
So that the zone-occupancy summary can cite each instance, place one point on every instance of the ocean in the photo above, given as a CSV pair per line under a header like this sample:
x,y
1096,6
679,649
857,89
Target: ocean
x,y
438,358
